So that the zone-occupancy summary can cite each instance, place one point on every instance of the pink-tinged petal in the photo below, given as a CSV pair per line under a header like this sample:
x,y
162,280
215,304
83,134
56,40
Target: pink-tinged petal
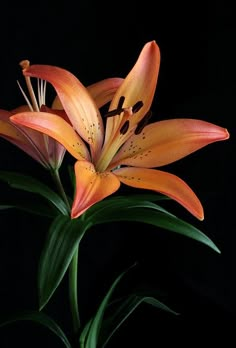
x,y
21,108
6,128
55,127
19,137
76,101
164,142
139,85
91,187
163,182
103,91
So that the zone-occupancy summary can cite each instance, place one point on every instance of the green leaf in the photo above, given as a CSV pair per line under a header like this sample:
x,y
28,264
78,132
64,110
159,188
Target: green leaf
x,y
89,338
124,209
6,206
124,310
38,208
39,318
62,240
93,332
29,184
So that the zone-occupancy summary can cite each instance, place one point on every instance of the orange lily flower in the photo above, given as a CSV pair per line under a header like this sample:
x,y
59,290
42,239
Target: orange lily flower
x,y
41,147
127,150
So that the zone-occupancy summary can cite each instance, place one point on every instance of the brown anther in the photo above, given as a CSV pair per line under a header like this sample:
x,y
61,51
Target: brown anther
x,y
24,64
121,102
143,122
118,110
125,127
137,106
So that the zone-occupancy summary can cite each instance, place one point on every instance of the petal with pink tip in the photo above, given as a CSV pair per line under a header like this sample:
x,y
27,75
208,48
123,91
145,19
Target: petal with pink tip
x,y
163,182
167,141
76,101
103,91
91,187
57,128
139,85
21,138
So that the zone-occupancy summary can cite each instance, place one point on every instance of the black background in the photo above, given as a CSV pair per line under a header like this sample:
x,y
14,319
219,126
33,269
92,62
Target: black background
x,y
95,40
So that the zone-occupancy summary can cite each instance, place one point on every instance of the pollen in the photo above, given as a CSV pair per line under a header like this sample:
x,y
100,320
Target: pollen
x,y
24,64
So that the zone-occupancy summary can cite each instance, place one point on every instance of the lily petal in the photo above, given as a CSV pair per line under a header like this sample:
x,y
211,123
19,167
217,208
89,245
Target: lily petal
x,y
167,141
57,128
91,187
7,129
163,182
76,101
139,85
102,92
27,140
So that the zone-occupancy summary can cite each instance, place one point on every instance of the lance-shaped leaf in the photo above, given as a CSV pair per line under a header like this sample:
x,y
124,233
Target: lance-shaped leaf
x,y
63,239
29,184
126,307
146,212
38,318
91,336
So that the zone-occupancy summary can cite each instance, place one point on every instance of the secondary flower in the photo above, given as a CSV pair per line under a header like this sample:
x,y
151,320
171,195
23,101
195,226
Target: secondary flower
x,y
43,148
126,149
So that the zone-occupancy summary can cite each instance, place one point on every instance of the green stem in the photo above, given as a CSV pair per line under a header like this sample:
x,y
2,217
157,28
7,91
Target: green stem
x,y
73,268
73,291
57,179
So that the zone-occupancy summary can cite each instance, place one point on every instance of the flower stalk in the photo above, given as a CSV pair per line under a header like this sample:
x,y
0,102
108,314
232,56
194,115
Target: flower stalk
x,y
73,268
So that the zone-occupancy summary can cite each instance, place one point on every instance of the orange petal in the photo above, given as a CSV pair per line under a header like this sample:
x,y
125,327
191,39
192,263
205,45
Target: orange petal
x,y
29,142
76,101
164,142
163,182
91,187
139,85
57,128
9,130
103,91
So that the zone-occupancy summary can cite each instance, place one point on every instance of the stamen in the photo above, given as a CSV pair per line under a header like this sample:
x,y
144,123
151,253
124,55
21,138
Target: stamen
x,y
137,106
41,91
121,102
125,127
113,113
24,65
143,122
118,110
25,96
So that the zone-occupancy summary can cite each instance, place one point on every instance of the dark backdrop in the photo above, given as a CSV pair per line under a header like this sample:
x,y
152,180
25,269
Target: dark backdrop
x,y
95,40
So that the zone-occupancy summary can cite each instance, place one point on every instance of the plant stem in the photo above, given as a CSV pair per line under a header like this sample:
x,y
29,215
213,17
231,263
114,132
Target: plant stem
x,y
73,268
73,291
57,180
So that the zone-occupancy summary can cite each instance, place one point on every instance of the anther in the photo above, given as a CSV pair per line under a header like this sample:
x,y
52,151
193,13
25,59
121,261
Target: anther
x,y
137,106
24,64
121,102
125,127
118,110
143,122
